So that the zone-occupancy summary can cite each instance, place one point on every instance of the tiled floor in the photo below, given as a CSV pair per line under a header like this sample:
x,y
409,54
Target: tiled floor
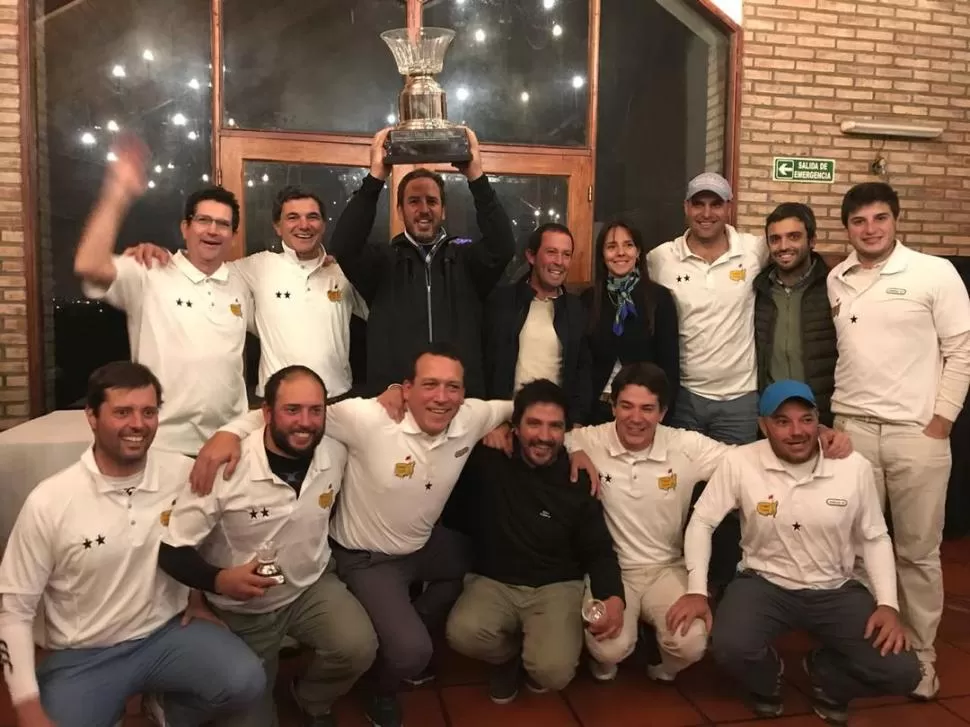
x,y
702,695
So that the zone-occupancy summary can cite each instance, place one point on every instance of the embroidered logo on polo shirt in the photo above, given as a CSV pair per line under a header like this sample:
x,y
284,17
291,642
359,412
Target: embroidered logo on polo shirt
x,y
836,308
836,502
461,452
326,499
896,291
335,295
667,482
405,468
236,308
739,274
167,514
545,514
769,507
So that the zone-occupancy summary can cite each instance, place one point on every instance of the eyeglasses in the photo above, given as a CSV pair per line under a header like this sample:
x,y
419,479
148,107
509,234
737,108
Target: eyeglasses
x,y
223,226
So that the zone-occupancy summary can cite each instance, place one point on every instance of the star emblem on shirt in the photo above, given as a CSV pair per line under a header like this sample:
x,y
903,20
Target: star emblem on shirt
x,y
264,512
683,278
796,527
87,543
253,513
129,490
427,486
853,319
607,478
100,539
283,294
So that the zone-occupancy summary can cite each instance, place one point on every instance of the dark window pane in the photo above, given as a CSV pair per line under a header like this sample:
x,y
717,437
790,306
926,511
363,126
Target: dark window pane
x,y
516,71
529,201
662,111
104,67
332,184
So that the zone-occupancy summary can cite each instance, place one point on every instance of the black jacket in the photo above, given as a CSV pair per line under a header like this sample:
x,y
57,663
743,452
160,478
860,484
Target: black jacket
x,y
505,314
637,343
819,345
531,526
413,303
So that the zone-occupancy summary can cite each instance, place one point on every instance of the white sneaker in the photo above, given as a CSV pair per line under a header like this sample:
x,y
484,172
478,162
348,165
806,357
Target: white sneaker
x,y
602,672
659,673
151,705
929,685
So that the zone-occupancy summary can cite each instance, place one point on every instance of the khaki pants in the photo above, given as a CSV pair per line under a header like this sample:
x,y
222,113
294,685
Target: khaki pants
x,y
325,618
495,623
650,592
912,472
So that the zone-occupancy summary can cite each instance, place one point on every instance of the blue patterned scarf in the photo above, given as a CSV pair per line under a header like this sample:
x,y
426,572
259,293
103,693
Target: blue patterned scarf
x,y
620,290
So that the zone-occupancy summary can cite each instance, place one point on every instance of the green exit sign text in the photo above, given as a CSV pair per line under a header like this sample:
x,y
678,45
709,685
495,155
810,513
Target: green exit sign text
x,y
803,169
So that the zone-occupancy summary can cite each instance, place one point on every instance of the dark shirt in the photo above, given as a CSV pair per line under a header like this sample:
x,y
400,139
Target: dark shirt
x,y
531,526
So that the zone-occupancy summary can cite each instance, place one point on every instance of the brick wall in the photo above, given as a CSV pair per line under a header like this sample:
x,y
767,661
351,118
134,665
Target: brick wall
x,y
13,290
810,64
716,111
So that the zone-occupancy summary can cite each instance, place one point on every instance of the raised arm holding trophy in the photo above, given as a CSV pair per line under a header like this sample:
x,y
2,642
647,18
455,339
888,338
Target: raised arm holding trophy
x,y
423,133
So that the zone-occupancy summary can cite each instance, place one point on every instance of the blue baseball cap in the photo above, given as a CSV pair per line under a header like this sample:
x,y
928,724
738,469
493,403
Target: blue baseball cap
x,y
780,392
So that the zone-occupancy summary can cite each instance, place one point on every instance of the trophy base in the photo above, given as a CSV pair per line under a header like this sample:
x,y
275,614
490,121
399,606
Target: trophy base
x,y
427,146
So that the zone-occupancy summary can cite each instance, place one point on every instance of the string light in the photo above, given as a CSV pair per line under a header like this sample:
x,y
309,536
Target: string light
x,y
193,136
205,177
194,84
578,81
113,125
479,36
158,169
524,97
148,55
112,157
391,118
548,4
179,119
461,94
118,71
151,184
556,30
88,139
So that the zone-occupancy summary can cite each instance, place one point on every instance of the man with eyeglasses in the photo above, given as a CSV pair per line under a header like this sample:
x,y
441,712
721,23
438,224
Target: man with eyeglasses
x,y
187,320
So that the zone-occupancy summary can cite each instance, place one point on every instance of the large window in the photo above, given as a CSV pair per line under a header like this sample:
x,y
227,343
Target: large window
x,y
587,110
516,71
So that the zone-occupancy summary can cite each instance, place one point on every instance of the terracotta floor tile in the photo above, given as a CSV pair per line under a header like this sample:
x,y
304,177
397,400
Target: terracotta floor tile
x,y
959,706
956,551
628,701
721,700
953,667
453,669
955,626
956,579
469,706
801,720
910,714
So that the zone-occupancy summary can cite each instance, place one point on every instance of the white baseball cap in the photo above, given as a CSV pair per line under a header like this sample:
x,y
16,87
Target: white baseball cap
x,y
709,182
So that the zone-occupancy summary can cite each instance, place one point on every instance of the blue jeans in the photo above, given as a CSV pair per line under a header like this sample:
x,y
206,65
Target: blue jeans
x,y
732,422
201,670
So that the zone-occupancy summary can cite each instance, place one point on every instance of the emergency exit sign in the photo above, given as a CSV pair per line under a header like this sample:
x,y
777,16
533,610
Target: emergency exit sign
x,y
803,169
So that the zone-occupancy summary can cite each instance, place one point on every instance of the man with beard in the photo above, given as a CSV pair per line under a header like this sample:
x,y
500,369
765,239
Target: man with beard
x,y
426,286
187,320
303,301
85,549
803,516
387,533
793,329
280,499
536,329
536,536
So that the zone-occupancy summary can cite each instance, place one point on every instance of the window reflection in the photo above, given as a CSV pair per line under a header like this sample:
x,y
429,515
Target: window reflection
x,y
529,201
106,67
662,111
516,71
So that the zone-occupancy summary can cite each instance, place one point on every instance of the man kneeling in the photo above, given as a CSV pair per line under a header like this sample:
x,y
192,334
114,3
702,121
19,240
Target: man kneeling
x,y
536,535
802,518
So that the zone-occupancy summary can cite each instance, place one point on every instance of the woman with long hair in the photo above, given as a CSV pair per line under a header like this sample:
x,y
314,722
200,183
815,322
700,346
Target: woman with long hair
x,y
631,318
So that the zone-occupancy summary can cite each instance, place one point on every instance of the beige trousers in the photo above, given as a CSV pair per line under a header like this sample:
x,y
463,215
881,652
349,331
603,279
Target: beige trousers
x,y
495,622
912,472
650,592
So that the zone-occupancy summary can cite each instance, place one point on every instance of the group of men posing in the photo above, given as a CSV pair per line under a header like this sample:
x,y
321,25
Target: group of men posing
x,y
430,506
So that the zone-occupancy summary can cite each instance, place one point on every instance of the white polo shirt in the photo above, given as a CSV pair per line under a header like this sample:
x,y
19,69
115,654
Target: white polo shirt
x,y
303,310
646,495
715,310
796,533
889,327
86,550
189,328
230,524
